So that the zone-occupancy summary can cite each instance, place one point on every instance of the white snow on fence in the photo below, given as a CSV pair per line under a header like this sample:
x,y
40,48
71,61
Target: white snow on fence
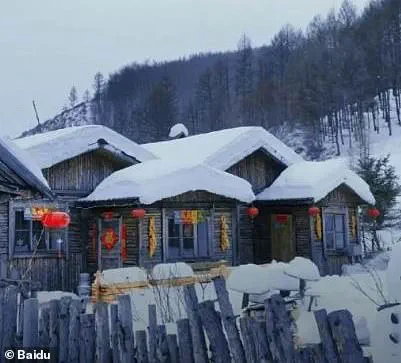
x,y
126,274
302,268
158,179
178,130
53,147
314,180
165,271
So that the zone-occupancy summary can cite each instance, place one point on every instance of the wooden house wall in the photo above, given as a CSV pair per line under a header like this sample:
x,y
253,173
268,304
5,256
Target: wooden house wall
x,y
259,169
82,173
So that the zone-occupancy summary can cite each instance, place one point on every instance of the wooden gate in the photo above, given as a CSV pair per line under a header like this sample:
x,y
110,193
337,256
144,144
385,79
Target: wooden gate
x,y
109,255
282,240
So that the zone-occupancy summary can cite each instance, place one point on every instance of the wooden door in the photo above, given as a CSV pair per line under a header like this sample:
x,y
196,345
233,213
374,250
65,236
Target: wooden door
x,y
110,244
282,237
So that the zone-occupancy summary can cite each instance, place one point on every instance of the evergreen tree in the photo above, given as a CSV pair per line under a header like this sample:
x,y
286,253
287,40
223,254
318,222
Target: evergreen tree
x,y
73,96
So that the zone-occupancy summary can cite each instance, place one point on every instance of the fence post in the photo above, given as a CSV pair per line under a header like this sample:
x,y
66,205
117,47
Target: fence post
x,y
141,346
273,338
74,331
173,348
64,328
152,334
197,334
54,306
344,335
44,324
185,341
31,323
87,346
114,328
102,333
9,326
229,323
247,337
328,345
163,354
211,321
126,335
263,354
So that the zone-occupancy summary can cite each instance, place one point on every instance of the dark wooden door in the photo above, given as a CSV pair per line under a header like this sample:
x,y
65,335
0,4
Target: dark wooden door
x,y
282,241
110,244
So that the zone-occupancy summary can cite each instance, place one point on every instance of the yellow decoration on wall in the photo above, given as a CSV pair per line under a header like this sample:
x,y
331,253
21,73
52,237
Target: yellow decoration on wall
x,y
354,227
152,237
224,240
318,227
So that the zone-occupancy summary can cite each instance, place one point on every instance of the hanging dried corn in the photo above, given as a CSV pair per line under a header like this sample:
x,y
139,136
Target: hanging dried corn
x,y
224,240
152,237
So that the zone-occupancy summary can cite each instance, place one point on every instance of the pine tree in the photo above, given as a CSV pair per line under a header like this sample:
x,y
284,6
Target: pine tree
x,y
73,96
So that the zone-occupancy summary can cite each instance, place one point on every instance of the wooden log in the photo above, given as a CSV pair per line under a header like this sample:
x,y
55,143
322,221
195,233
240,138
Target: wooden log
x,y
173,348
229,323
263,354
212,322
114,331
44,328
141,346
31,323
344,335
126,334
195,323
247,337
163,355
185,341
328,345
74,331
152,334
54,306
103,354
9,306
64,328
87,346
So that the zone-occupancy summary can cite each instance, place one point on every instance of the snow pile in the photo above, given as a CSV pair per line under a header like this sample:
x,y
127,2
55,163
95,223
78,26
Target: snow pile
x,y
165,271
377,263
126,274
158,179
56,146
222,149
314,180
302,268
178,130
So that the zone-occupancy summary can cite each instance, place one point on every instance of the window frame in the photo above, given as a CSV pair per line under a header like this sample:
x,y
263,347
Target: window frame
x,y
333,211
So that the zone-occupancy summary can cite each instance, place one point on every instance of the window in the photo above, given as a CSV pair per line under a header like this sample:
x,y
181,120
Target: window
x,y
334,231
187,241
29,235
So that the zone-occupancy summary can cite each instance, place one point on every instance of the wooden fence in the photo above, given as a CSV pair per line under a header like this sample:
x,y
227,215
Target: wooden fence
x,y
206,335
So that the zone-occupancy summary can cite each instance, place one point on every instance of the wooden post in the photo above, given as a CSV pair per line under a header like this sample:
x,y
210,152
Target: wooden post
x,y
74,331
163,354
173,348
102,333
53,326
114,331
273,338
229,323
212,322
64,328
185,341
31,323
152,334
126,335
9,307
141,346
44,323
263,354
247,337
195,323
87,346
344,335
328,345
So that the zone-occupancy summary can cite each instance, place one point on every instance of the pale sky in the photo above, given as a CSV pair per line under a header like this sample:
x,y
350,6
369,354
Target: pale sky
x,y
46,46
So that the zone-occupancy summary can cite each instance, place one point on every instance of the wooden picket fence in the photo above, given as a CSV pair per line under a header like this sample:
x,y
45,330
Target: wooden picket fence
x,y
206,335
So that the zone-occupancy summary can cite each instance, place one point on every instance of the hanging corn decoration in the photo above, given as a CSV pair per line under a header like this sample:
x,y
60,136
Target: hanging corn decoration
x,y
224,240
318,227
354,227
152,237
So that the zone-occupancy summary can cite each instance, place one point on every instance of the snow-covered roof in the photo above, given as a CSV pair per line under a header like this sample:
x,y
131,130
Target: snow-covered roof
x,y
158,179
22,163
53,147
314,180
222,149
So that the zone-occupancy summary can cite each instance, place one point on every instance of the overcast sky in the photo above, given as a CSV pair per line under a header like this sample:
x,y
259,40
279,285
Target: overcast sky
x,y
46,46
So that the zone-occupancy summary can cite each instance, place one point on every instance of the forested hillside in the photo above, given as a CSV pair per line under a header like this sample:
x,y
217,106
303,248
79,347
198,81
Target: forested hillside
x,y
321,81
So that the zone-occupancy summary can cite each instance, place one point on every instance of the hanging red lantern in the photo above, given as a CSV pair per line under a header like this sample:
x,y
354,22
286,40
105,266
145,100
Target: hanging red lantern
x,y
107,215
281,218
138,213
109,238
56,220
313,211
252,212
373,212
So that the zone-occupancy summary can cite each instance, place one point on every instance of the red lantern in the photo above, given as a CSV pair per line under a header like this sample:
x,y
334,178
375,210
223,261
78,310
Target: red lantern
x,y
313,211
373,212
281,218
55,220
107,215
252,212
138,213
